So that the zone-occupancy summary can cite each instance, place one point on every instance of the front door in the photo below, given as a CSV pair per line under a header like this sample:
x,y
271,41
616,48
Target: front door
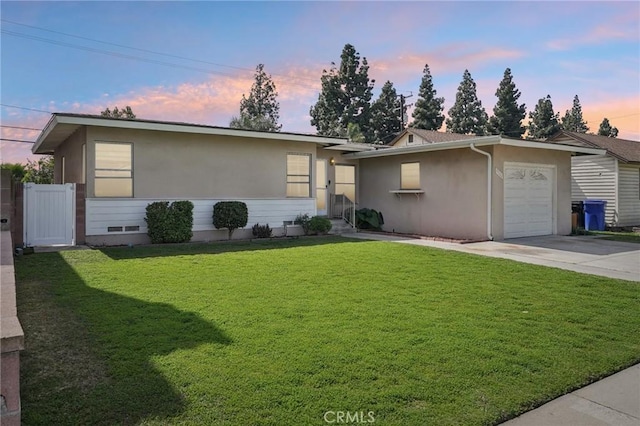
x,y
346,181
321,187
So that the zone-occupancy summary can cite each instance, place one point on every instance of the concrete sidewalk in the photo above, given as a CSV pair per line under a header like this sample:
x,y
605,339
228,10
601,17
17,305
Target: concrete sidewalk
x,y
613,401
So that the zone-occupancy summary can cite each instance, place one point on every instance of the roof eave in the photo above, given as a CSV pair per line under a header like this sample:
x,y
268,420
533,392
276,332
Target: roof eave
x,y
75,121
439,146
479,141
44,134
552,146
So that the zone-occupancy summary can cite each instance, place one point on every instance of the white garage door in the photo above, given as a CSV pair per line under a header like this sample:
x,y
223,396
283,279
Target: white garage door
x,y
528,200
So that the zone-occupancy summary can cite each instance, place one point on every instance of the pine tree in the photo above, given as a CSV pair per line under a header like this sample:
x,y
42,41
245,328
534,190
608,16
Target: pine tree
x,y
467,116
386,114
428,111
572,120
507,114
543,122
261,110
607,130
345,97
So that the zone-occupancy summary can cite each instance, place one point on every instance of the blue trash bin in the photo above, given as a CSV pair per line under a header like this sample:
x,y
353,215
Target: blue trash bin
x,y
594,214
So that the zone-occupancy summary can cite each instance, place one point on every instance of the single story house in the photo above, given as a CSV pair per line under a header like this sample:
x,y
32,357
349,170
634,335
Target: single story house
x,y
613,176
462,187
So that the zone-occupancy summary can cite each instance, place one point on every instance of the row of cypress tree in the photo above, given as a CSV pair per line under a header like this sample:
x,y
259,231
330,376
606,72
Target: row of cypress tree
x,y
345,107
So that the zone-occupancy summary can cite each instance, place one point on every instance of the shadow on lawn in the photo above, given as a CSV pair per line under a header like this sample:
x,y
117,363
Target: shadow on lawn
x,y
107,340
163,250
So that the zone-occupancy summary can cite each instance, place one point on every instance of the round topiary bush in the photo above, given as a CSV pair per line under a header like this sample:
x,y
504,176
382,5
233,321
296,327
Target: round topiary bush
x,y
319,225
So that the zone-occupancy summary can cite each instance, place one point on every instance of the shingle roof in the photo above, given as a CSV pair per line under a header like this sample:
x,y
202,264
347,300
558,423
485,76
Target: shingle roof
x,y
623,149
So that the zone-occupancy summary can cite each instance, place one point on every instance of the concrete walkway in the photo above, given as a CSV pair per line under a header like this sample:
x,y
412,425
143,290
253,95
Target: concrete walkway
x,y
613,401
586,254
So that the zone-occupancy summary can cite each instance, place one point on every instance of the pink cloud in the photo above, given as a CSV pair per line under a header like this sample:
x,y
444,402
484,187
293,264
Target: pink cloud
x,y
214,101
623,113
217,100
451,58
623,27
18,152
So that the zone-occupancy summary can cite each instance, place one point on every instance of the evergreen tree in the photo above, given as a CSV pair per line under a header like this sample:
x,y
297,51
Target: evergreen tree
x,y
428,111
467,116
17,170
386,114
354,134
126,112
507,114
607,130
345,97
247,122
261,110
572,120
40,171
543,122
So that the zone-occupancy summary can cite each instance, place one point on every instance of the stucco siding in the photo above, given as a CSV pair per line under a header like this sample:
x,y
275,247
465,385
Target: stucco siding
x,y
594,177
71,150
102,214
180,165
453,204
629,195
560,161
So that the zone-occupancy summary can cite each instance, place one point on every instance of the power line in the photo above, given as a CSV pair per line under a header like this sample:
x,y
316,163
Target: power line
x,y
19,127
16,140
623,116
110,53
25,108
125,46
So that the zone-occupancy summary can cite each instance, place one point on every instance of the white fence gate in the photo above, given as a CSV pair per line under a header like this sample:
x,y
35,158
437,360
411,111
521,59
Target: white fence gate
x,y
49,214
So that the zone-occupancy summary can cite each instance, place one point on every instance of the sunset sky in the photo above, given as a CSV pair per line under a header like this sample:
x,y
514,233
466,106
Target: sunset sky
x,y
192,61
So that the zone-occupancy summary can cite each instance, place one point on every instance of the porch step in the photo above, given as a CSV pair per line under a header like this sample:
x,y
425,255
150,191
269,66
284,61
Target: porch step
x,y
339,226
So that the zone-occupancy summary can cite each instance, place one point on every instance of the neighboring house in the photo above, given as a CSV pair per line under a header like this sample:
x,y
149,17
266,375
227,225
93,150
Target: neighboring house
x,y
467,188
412,137
613,177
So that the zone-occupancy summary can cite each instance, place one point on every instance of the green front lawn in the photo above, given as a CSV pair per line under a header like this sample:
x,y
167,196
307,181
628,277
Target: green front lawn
x,y
281,332
626,237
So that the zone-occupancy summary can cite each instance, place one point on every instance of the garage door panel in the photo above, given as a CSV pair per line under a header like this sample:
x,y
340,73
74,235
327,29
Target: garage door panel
x,y
528,201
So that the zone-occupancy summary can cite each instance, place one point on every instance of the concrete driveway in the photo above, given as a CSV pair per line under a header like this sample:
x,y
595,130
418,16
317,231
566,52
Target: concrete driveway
x,y
586,254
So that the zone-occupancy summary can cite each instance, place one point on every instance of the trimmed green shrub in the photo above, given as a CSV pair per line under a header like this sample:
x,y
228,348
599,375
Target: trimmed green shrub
x,y
169,223
303,220
369,219
261,231
319,225
231,215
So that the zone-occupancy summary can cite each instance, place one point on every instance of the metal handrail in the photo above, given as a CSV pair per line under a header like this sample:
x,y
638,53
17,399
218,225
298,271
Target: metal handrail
x,y
347,210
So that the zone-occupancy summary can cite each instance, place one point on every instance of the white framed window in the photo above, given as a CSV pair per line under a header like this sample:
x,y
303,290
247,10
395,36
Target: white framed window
x,y
410,175
113,170
299,175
